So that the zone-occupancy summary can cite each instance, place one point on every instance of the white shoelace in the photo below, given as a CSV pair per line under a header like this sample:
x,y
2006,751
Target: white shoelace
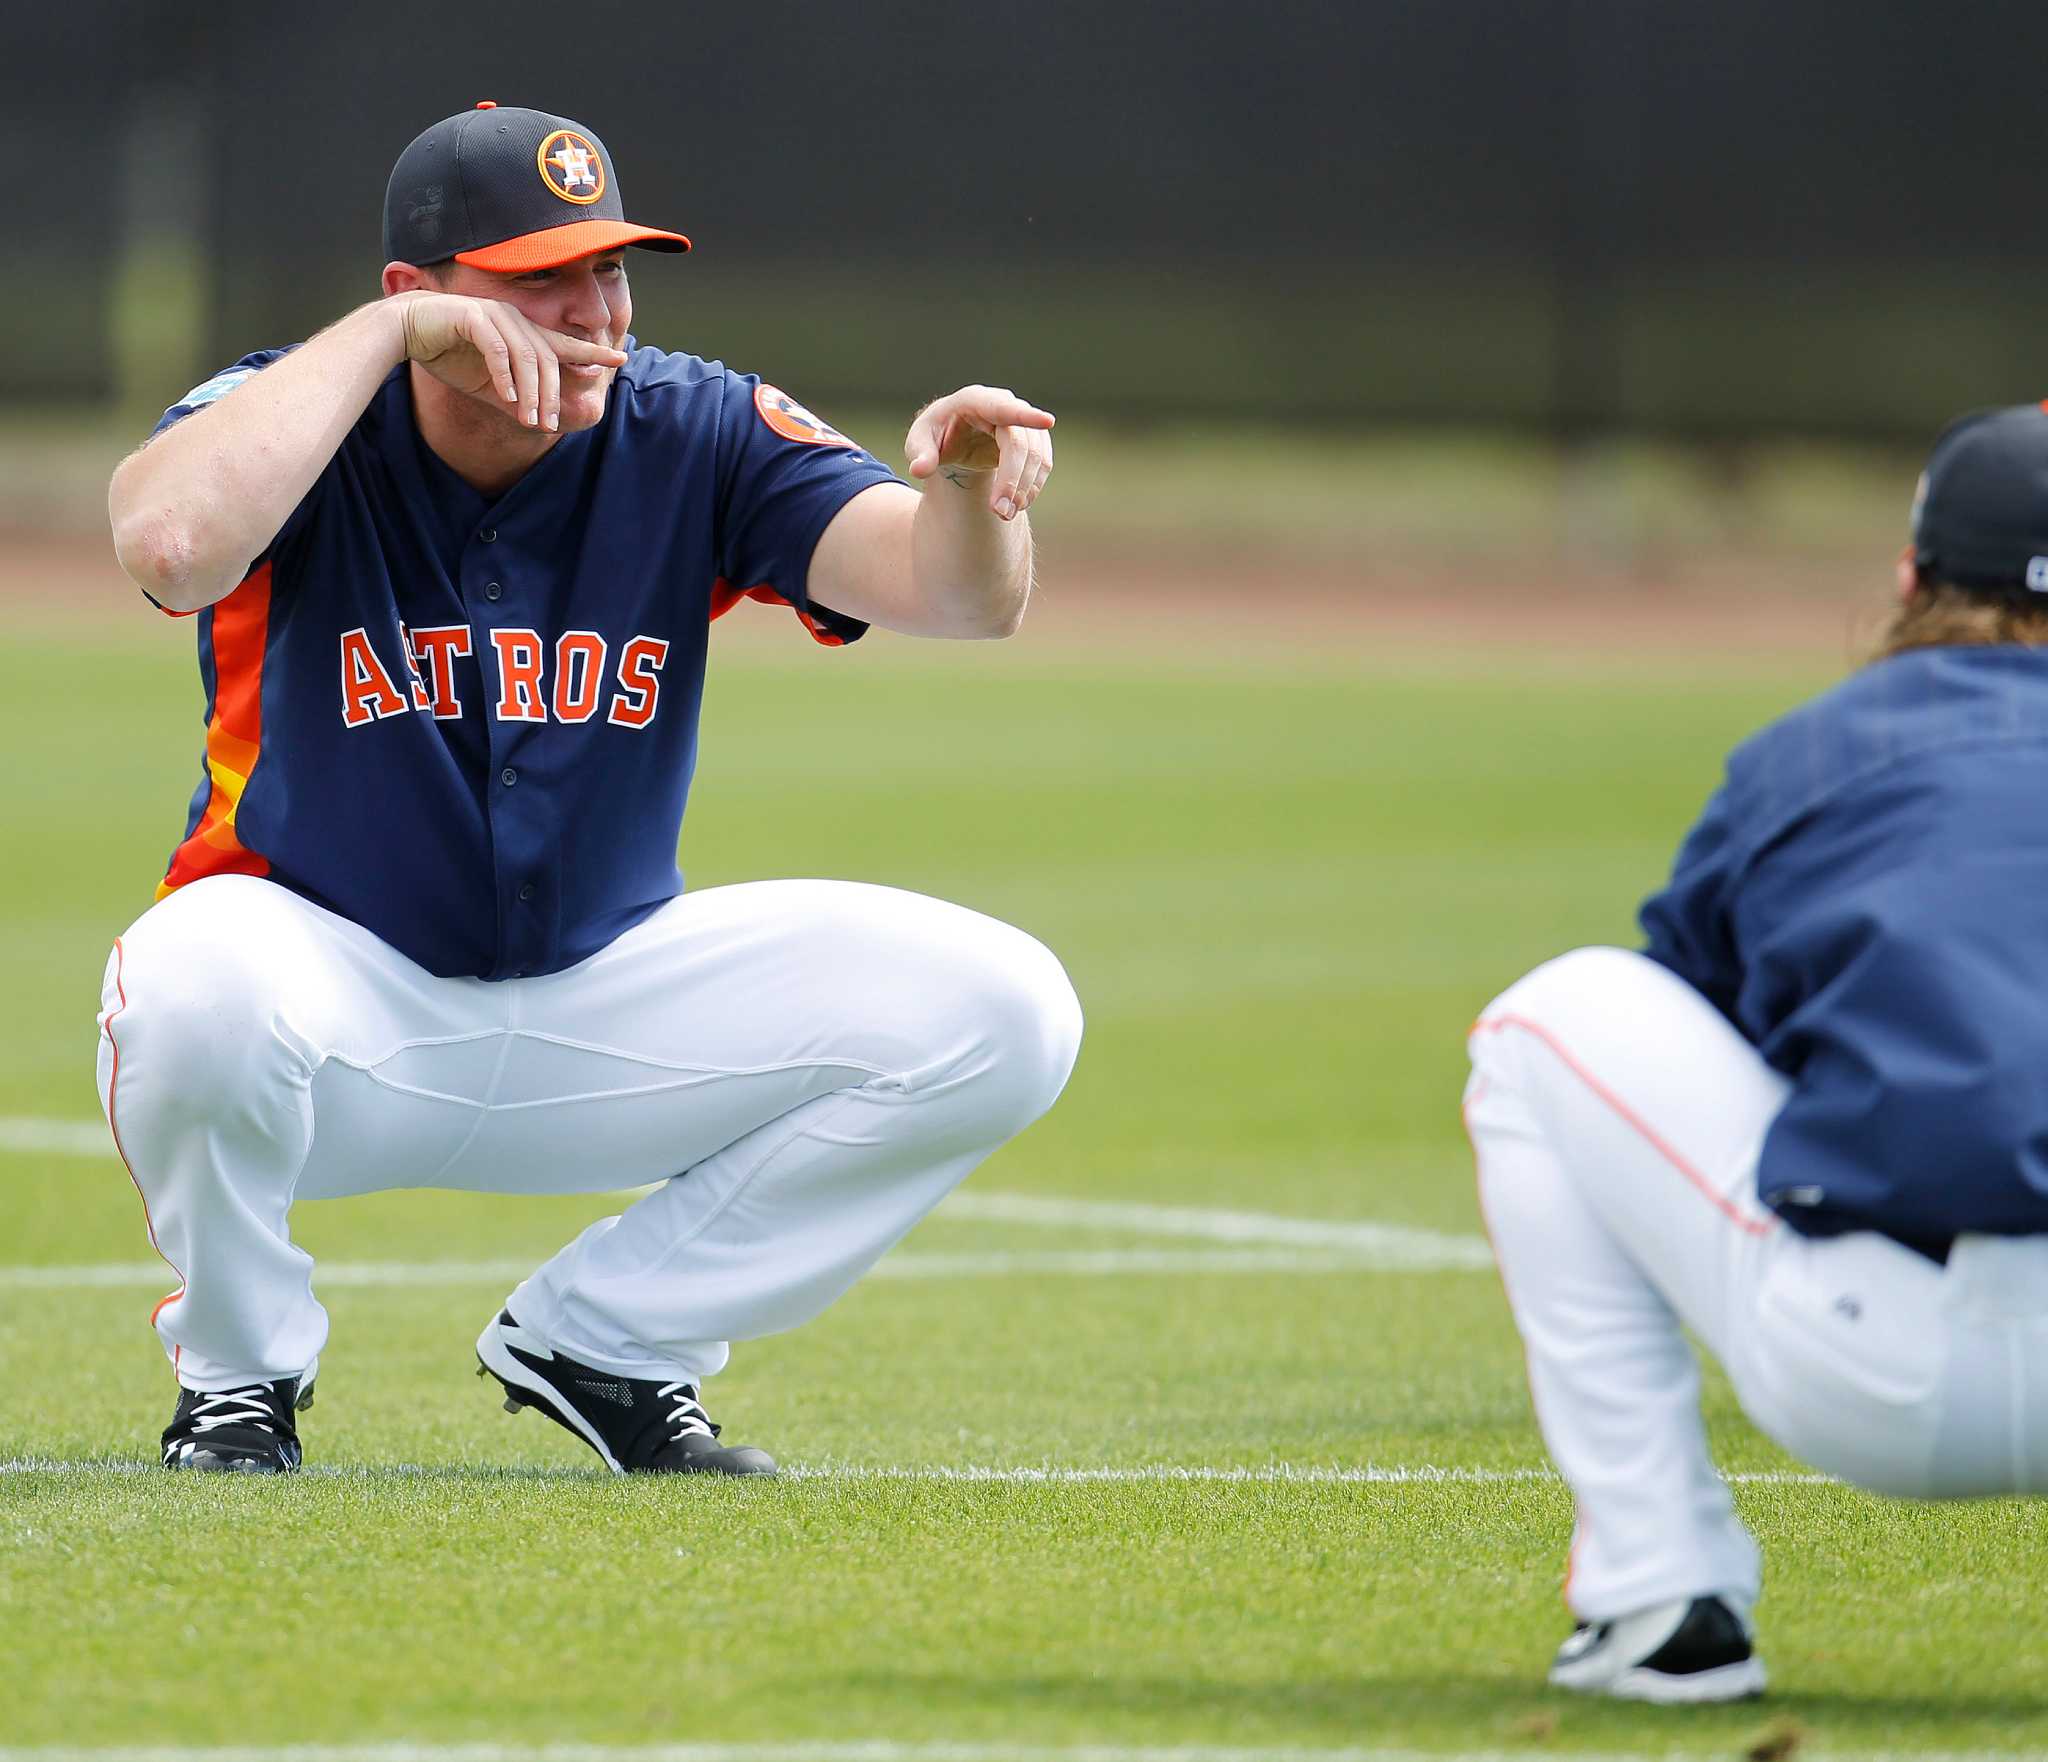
x,y
232,1407
686,1416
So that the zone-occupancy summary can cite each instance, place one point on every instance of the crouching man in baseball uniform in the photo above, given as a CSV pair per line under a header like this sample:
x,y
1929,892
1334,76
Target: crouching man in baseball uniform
x,y
1810,1120
454,562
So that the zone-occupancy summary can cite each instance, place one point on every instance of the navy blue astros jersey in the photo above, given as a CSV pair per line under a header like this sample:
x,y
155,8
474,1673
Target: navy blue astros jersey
x,y
470,725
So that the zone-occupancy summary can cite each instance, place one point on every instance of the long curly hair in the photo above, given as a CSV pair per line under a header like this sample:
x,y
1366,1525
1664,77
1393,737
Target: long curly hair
x,y
1938,614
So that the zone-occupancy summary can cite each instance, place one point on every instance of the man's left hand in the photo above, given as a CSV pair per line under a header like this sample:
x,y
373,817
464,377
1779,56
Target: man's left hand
x,y
984,438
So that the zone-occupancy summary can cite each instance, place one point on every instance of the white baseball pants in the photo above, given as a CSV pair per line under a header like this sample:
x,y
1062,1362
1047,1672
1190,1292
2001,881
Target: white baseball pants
x,y
806,1068
1617,1118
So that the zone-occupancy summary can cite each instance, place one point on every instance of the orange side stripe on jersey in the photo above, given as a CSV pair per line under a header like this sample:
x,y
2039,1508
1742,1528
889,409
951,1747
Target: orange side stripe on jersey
x,y
241,630
724,596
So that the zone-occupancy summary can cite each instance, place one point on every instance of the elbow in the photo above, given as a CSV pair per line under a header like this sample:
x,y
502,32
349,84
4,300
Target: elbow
x,y
162,555
957,617
157,556
1003,624
991,622
977,627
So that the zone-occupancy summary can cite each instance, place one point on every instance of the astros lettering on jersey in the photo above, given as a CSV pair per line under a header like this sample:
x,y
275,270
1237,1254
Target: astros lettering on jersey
x,y
408,654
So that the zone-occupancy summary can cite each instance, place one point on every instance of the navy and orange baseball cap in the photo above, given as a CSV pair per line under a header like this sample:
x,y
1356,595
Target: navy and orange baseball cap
x,y
508,189
1980,514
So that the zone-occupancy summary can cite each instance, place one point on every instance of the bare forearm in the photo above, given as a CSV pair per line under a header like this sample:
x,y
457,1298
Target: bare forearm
x,y
955,560
968,565
195,507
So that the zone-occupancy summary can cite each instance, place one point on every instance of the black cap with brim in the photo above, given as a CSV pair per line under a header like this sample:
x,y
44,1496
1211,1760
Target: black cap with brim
x,y
511,190
1980,516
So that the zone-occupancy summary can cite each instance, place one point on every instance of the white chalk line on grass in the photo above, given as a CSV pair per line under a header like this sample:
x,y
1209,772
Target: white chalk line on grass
x,y
1253,1242
1281,1473
1156,1474
887,1751
153,1275
56,1138
1389,1244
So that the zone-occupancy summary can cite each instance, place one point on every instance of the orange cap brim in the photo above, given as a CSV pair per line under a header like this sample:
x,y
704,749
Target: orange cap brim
x,y
564,244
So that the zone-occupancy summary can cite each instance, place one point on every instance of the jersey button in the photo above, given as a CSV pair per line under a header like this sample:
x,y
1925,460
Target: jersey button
x,y
526,890
508,776
493,591
487,533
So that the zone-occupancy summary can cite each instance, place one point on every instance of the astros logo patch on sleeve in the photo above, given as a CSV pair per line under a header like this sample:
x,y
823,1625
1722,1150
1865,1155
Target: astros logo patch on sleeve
x,y
793,422
569,163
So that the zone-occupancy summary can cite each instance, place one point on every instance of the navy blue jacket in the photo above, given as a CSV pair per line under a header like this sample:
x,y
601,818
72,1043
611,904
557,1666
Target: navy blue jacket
x,y
1866,899
469,725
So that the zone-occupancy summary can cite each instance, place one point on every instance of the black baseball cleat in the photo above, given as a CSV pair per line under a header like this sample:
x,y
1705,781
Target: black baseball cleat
x,y
1686,1651
249,1430
638,1425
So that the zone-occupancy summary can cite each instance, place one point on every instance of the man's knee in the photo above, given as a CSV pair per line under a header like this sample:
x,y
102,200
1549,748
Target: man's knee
x,y
1589,994
995,1020
931,999
1033,1028
1586,978
193,1005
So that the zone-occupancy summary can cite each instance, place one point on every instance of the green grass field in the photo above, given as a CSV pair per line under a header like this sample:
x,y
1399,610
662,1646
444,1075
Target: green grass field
x,y
1282,894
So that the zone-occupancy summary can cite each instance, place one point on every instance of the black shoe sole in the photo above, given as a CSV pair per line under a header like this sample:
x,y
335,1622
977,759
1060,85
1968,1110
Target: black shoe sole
x,y
212,1462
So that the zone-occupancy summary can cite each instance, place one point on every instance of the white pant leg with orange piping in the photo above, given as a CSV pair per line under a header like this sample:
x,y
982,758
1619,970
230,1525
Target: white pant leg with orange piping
x,y
805,1068
1615,1118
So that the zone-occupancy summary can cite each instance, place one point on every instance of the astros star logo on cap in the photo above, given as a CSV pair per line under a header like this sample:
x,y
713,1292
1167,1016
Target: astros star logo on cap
x,y
509,190
569,163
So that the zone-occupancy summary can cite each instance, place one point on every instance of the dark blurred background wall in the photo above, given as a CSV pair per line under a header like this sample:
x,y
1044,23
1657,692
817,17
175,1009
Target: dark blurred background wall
x,y
1570,215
